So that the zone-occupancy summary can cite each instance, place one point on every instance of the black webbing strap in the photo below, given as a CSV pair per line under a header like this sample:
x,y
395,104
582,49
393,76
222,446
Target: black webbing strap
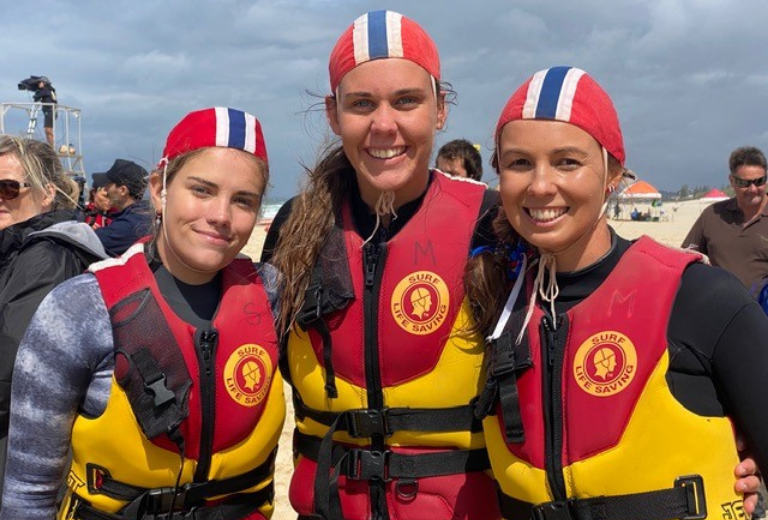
x,y
189,495
310,316
364,422
686,500
237,508
506,359
366,464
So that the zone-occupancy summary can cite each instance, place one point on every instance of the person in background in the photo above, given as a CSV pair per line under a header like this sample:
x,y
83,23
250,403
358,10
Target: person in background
x,y
372,253
99,210
460,158
124,183
172,404
46,94
41,245
733,232
586,378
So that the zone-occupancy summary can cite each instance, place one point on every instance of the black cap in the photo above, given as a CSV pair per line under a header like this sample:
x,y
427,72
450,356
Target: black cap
x,y
99,180
124,173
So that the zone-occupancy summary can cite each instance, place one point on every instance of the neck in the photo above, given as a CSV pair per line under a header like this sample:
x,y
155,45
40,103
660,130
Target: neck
x,y
587,250
751,211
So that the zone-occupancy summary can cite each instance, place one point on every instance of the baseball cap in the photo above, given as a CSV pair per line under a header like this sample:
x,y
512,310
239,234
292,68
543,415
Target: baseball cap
x,y
124,173
99,180
570,95
216,126
382,34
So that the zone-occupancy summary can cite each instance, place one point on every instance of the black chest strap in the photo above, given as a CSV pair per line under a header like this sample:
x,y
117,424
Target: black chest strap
x,y
330,289
505,360
685,500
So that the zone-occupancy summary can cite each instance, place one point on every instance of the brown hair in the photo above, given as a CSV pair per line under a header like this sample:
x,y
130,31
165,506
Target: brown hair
x,y
313,213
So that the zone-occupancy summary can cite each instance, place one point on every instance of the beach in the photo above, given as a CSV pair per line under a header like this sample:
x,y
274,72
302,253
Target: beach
x,y
673,225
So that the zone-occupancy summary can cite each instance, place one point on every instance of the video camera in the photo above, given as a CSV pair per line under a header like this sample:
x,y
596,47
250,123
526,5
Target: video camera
x,y
32,83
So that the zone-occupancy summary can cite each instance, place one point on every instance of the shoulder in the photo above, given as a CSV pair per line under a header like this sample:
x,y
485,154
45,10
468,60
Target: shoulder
x,y
703,284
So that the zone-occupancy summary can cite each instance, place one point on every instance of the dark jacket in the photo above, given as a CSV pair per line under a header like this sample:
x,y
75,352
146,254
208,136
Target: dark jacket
x,y
35,256
126,228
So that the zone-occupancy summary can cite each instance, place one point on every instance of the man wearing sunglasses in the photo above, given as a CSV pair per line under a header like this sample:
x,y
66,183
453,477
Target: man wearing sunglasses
x,y
734,232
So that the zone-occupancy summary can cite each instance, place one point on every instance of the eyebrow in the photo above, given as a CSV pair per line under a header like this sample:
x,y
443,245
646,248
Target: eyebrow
x,y
557,151
400,92
214,185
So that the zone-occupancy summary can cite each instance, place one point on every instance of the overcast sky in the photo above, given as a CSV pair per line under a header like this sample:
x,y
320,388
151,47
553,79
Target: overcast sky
x,y
689,77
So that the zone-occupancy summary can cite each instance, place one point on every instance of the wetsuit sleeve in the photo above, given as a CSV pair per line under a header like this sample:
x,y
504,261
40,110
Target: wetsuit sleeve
x,y
484,235
271,279
270,242
60,363
729,338
695,238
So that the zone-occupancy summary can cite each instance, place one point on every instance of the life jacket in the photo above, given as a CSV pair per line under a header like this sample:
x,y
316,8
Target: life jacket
x,y
384,372
586,425
193,417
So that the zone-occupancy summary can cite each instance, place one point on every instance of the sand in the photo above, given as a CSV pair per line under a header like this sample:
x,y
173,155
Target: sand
x,y
673,225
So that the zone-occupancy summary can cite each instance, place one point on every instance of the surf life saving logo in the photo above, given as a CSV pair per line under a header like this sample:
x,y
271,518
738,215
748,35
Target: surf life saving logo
x,y
247,374
605,364
420,302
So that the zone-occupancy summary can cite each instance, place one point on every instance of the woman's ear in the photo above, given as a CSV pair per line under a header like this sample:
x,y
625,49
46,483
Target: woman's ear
x,y
331,113
442,111
156,188
49,195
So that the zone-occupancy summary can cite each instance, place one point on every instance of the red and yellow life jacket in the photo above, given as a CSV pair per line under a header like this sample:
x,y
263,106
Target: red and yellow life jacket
x,y
383,364
600,427
216,393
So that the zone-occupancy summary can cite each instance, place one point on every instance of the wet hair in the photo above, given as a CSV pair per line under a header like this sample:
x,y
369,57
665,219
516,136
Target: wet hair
x,y
486,278
42,167
313,214
466,152
746,156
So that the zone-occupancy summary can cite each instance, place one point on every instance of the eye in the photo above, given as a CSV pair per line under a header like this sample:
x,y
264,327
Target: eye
x,y
517,164
569,163
408,101
246,202
200,190
361,105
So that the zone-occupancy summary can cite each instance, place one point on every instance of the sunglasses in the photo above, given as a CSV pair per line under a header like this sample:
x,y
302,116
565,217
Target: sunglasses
x,y
9,188
746,183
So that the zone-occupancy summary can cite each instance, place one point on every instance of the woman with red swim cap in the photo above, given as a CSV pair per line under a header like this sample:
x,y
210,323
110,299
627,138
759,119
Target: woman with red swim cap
x,y
617,370
384,373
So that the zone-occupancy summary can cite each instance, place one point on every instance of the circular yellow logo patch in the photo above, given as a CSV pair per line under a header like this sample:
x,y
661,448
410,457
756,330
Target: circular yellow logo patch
x,y
420,302
247,374
605,364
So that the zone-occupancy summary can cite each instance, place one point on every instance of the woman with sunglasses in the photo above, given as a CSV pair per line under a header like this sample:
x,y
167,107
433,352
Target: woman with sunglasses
x,y
158,369
617,370
41,245
383,372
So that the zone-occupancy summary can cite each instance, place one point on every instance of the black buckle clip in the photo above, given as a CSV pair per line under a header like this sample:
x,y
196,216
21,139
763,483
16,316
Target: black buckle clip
x,y
556,510
697,502
502,358
312,310
368,465
160,391
365,423
158,501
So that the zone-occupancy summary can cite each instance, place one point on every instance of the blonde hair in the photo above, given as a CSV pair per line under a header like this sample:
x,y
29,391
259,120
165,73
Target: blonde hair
x,y
42,167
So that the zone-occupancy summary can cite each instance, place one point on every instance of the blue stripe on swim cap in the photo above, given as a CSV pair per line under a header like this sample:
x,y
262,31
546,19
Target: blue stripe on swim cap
x,y
377,35
550,92
236,129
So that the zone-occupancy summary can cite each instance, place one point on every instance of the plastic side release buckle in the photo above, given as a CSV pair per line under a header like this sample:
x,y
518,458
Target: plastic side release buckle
x,y
557,510
365,423
697,502
368,465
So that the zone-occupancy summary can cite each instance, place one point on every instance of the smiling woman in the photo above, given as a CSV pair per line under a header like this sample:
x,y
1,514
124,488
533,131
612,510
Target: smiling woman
x,y
619,359
171,401
384,372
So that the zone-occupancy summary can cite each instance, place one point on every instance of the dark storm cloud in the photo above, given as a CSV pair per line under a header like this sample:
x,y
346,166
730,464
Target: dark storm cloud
x,y
687,77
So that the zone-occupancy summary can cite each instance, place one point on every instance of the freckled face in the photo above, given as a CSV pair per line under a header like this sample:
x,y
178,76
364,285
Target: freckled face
x,y
386,115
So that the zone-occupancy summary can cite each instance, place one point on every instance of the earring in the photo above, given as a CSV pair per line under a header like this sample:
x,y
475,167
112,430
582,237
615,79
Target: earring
x,y
610,189
158,219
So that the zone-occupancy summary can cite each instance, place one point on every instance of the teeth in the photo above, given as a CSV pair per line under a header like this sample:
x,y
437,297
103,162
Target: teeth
x,y
546,214
386,153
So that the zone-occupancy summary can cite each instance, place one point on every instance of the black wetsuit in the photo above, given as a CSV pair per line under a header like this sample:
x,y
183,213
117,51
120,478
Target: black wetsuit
x,y
716,331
